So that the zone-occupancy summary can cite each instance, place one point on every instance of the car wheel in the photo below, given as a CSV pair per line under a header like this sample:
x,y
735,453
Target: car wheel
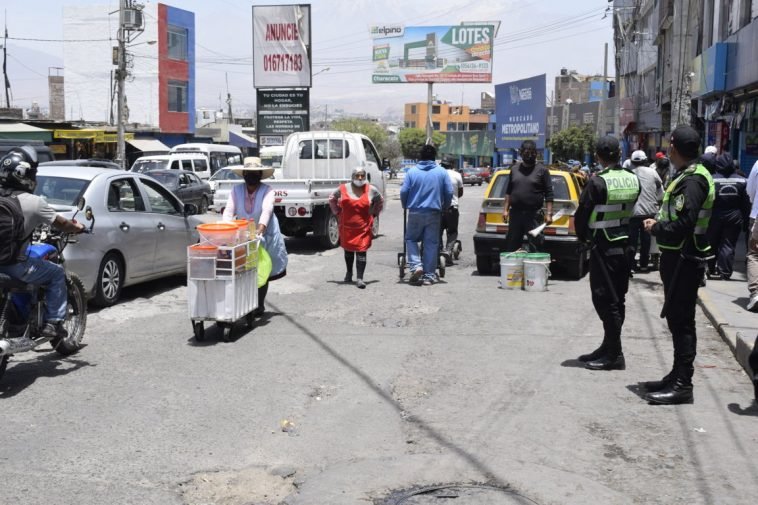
x,y
203,208
484,265
330,237
110,281
479,184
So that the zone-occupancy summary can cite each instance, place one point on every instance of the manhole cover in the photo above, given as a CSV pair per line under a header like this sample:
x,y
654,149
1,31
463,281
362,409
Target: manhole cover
x,y
457,494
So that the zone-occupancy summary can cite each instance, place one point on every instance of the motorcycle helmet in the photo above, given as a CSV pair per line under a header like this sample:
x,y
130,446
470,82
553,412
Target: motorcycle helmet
x,y
18,169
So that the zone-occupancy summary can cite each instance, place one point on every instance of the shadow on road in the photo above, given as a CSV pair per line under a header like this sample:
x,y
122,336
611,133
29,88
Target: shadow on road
x,y
749,411
21,375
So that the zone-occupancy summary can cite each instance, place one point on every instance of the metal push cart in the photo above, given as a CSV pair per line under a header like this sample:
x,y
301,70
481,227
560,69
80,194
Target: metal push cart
x,y
222,286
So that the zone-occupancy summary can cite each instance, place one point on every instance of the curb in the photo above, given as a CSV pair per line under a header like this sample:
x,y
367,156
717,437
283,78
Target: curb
x,y
740,343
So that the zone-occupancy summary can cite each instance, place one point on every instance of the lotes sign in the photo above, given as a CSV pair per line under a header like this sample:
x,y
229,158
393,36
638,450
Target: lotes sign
x,y
520,111
432,53
281,46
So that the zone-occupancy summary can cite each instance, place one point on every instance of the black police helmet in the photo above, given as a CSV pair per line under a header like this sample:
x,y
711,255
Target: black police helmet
x,y
18,169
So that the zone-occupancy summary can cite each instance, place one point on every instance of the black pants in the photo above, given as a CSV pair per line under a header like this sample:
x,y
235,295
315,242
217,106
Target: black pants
x,y
519,223
611,313
450,223
680,309
723,233
638,235
360,267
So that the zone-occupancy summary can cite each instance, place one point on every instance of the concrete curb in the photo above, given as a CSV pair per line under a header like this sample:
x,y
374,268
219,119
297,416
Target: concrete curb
x,y
738,340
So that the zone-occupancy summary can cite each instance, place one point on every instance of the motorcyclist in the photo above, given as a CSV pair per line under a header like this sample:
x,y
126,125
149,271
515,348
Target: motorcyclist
x,y
18,178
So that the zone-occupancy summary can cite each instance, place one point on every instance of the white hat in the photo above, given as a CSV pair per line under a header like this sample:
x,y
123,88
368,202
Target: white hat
x,y
253,164
711,149
639,156
627,164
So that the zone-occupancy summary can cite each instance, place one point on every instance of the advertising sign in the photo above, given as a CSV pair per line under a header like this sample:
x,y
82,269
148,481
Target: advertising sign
x,y
520,111
281,46
432,53
281,112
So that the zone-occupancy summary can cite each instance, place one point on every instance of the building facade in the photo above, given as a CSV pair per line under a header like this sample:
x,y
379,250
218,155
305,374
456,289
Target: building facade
x,y
445,117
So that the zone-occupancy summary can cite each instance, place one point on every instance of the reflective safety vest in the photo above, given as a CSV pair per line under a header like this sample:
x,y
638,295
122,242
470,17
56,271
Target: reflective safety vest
x,y
612,217
669,211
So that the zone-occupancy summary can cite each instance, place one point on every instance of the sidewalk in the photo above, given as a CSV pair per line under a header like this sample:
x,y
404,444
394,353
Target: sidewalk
x,y
724,303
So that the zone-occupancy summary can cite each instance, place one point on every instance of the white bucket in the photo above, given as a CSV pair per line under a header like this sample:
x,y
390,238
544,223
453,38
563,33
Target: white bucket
x,y
512,271
536,273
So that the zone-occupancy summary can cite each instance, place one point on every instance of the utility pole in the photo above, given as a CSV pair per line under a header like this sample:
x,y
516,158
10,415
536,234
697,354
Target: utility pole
x,y
429,130
552,120
5,67
120,78
600,118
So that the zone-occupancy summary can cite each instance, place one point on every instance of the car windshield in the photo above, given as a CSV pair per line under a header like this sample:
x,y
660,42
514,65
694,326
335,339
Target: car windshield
x,y
60,190
142,166
560,187
225,174
167,179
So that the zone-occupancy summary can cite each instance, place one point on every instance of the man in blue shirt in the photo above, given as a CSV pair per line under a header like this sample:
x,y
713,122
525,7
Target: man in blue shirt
x,y
426,192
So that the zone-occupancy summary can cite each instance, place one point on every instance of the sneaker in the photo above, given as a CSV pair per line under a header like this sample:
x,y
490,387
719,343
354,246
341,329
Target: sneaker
x,y
427,281
752,305
361,284
416,275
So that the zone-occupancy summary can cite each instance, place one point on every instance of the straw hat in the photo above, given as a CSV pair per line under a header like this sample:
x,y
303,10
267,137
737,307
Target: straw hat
x,y
253,163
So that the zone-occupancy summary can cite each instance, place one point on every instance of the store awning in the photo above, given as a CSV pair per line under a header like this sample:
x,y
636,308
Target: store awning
x,y
99,136
242,140
21,131
149,145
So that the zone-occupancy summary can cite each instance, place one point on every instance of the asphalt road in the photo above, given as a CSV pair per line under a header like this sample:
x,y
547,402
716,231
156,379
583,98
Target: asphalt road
x,y
346,396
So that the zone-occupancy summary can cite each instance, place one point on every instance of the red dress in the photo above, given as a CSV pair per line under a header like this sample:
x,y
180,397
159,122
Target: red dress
x,y
355,221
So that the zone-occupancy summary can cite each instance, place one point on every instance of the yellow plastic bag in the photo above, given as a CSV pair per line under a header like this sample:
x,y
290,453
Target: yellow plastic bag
x,y
264,266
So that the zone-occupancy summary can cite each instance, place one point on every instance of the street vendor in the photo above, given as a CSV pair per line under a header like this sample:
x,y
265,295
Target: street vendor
x,y
255,200
356,204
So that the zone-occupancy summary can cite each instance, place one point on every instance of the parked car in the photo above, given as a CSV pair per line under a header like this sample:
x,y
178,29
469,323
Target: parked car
x,y
92,162
560,237
191,162
471,176
142,230
187,186
486,173
221,184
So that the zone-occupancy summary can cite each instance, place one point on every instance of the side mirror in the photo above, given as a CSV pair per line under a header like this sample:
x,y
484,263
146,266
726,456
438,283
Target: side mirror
x,y
80,203
190,209
385,164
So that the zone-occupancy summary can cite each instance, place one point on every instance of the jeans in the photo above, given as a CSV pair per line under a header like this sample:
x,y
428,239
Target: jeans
x,y
48,275
637,234
423,227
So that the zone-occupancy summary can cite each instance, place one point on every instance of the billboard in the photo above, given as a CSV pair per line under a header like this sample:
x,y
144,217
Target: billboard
x,y
442,54
520,112
281,46
281,112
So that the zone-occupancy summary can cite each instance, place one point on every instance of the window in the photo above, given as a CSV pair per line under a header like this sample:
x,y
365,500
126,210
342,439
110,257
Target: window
x,y
161,200
187,165
436,126
371,153
201,165
177,96
177,43
60,190
413,109
435,109
123,196
335,149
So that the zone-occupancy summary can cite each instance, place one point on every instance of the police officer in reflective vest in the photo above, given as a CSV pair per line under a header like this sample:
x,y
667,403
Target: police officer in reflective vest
x,y
680,231
602,222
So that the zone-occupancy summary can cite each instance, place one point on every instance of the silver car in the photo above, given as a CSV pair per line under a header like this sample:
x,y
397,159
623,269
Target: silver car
x,y
222,183
141,231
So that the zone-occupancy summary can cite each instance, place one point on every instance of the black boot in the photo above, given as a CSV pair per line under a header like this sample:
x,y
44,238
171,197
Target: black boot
x,y
655,386
678,391
616,362
753,362
597,353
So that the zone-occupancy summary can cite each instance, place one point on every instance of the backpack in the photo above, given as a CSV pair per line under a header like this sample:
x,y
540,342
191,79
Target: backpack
x,y
11,228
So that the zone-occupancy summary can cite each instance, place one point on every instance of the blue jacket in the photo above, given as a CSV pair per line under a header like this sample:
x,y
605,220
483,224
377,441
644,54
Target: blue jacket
x,y
426,187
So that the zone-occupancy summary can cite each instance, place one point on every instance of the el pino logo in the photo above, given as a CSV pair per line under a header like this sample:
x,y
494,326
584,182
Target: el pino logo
x,y
381,31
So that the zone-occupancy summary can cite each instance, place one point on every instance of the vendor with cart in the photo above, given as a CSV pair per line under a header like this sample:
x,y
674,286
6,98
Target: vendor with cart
x,y
255,200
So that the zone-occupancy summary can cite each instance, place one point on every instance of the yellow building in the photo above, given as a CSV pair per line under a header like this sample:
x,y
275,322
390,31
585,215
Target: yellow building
x,y
445,117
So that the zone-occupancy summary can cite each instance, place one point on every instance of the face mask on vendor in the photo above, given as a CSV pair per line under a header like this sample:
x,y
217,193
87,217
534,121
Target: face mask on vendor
x,y
252,178
359,179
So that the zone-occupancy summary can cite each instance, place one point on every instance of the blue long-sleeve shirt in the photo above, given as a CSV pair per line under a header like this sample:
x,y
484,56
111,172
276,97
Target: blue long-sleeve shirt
x,y
426,187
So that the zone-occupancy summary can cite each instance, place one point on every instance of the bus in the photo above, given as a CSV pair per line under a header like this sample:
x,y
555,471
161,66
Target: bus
x,y
219,155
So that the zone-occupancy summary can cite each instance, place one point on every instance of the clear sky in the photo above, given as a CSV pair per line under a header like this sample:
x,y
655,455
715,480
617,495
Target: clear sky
x,y
536,36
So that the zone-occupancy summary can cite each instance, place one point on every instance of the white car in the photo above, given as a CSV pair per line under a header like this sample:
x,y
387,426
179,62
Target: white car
x,y
222,183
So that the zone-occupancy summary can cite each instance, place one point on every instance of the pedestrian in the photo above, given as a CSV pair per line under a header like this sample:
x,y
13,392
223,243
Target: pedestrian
x,y
255,200
451,217
662,166
356,204
426,192
711,150
731,211
752,253
680,230
529,188
646,207
602,223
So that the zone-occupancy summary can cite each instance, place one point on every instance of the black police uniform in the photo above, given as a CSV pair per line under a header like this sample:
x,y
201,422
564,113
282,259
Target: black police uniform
x,y
609,274
731,211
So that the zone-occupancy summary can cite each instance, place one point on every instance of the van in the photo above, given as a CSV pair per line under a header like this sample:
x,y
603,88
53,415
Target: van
x,y
217,155
191,162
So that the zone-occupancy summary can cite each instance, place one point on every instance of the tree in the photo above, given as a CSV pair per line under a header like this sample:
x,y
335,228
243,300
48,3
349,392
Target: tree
x,y
572,143
412,139
372,130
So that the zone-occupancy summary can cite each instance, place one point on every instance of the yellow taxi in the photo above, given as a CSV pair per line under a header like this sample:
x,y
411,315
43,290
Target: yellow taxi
x,y
560,237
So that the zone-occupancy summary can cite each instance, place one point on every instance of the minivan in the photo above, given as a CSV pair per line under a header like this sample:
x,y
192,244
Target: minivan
x,y
191,162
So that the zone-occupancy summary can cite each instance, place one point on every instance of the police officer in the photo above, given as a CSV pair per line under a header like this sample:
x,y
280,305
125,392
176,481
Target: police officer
x,y
680,231
602,221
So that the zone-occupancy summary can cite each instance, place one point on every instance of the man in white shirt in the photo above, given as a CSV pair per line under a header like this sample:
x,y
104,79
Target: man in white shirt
x,y
752,253
450,217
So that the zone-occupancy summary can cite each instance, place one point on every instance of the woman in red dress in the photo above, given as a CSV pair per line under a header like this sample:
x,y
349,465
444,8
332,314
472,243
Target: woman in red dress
x,y
356,204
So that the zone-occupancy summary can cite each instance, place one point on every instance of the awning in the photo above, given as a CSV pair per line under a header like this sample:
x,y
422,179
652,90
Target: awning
x,y
22,131
242,140
149,145
99,136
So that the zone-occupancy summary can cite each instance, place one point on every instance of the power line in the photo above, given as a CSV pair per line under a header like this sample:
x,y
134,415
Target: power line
x,y
59,40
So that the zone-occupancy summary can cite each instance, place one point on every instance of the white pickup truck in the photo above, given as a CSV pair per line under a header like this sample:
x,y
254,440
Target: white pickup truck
x,y
314,165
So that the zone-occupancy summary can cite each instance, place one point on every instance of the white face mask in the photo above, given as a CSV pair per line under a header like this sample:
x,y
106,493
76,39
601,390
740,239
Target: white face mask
x,y
359,182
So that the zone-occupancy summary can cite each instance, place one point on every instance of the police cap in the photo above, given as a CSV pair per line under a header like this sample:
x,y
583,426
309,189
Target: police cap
x,y
608,148
686,140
